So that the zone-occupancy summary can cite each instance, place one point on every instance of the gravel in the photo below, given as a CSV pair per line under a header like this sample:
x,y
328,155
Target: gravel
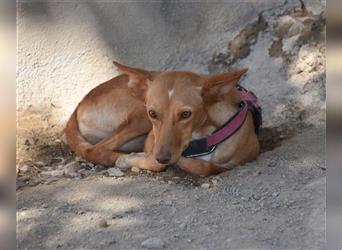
x,y
282,207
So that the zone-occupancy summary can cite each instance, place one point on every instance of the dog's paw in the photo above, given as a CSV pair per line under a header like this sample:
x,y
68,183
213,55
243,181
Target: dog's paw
x,y
123,162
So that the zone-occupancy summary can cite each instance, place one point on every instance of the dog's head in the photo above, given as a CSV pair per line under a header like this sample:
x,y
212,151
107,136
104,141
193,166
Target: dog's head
x,y
176,104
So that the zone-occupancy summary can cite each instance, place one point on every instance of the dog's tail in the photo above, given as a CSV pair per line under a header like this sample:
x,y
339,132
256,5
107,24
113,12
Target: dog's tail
x,y
74,137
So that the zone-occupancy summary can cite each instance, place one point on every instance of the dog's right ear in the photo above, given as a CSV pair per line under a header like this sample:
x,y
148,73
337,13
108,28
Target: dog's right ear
x,y
139,79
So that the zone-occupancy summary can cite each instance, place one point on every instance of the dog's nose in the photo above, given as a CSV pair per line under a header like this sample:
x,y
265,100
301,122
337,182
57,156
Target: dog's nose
x,y
163,157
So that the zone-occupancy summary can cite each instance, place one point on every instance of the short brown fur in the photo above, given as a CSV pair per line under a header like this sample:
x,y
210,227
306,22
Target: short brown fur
x,y
164,110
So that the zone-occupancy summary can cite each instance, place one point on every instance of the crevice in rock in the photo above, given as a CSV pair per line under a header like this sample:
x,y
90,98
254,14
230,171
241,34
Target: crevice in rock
x,y
239,46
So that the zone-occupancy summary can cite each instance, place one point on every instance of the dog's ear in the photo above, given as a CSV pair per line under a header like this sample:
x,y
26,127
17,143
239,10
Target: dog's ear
x,y
220,84
139,79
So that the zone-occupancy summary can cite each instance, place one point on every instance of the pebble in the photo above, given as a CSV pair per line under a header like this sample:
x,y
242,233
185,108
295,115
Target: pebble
x,y
205,185
153,243
115,172
135,170
24,168
79,158
257,173
235,202
57,173
272,164
168,202
71,167
103,223
275,194
256,197
40,164
99,168
74,175
182,226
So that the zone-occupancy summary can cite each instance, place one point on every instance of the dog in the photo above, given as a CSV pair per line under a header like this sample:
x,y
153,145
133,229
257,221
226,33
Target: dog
x,y
204,124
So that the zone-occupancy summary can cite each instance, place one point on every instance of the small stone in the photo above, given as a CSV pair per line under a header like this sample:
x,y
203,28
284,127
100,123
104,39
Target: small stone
x,y
103,223
71,167
235,202
40,164
90,164
275,194
99,168
256,197
115,172
170,182
153,243
272,164
57,173
182,226
135,170
215,182
205,185
257,173
24,168
79,158
168,202
74,175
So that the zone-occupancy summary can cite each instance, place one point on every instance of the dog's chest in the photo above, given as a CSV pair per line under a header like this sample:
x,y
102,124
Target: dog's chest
x,y
202,133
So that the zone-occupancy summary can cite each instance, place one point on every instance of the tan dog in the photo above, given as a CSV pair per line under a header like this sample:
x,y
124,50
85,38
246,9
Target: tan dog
x,y
165,111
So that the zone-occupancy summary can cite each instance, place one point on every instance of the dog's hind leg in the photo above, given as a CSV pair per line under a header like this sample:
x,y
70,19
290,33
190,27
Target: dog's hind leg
x,y
199,167
108,149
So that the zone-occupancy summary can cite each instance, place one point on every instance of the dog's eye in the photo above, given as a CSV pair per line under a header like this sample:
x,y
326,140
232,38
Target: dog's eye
x,y
152,114
185,114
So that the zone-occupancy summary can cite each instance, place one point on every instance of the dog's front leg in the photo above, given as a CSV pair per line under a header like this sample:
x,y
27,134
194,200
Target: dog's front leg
x,y
142,160
139,160
199,167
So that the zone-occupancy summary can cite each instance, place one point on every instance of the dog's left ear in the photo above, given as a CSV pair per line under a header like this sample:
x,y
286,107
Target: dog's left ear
x,y
225,80
139,79
216,86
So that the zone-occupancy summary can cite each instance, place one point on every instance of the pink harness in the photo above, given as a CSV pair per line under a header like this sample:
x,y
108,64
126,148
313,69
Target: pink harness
x,y
207,145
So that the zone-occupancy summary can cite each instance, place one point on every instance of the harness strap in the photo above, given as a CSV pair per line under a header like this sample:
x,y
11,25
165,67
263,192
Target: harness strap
x,y
230,127
208,144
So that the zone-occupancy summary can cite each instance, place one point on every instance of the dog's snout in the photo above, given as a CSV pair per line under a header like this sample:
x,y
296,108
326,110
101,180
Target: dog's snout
x,y
163,157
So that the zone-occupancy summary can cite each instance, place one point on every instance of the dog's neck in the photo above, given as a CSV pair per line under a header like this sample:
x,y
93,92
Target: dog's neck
x,y
218,113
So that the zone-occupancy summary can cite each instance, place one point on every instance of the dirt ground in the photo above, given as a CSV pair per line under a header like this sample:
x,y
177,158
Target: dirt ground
x,y
276,202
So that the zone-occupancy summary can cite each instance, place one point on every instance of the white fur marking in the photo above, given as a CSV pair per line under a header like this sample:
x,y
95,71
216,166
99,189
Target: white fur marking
x,y
170,91
195,136
204,157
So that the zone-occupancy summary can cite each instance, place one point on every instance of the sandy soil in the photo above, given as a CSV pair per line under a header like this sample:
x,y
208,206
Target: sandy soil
x,y
276,202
